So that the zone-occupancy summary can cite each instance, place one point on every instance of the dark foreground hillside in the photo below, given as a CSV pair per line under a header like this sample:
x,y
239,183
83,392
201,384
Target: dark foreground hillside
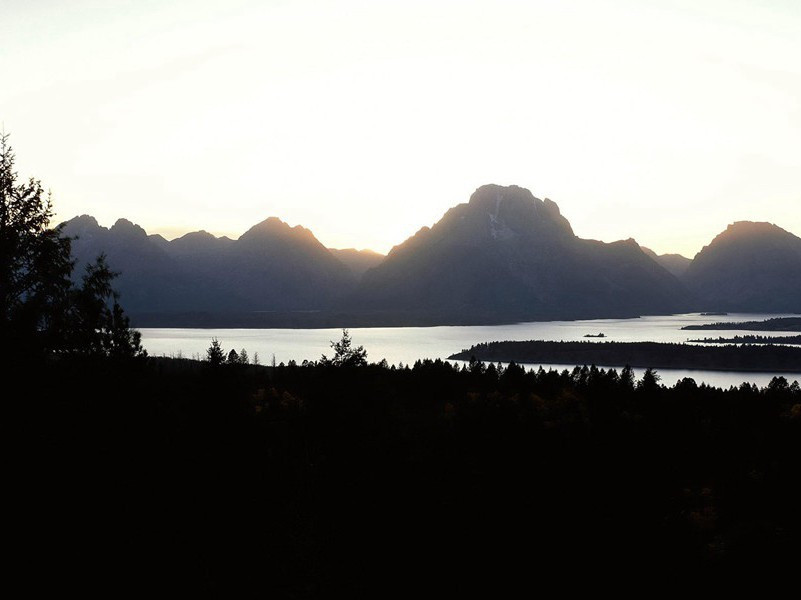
x,y
304,481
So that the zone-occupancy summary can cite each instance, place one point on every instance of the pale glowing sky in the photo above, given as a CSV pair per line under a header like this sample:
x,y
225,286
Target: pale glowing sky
x,y
363,121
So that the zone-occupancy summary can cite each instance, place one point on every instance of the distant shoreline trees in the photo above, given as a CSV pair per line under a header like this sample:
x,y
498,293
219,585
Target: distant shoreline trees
x,y
216,356
767,358
773,324
751,339
345,355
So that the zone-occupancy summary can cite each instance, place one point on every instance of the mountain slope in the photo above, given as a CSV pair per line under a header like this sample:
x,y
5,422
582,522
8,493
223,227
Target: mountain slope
x,y
750,267
358,261
675,263
278,267
508,255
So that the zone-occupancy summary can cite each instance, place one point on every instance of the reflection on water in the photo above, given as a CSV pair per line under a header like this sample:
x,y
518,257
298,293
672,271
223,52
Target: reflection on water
x,y
407,344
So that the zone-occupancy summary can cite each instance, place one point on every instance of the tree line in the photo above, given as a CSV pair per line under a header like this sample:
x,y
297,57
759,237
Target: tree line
x,y
304,479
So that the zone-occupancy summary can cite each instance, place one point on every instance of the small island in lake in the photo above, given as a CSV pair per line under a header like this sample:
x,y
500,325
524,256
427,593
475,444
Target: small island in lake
x,y
714,314
776,324
592,335
770,359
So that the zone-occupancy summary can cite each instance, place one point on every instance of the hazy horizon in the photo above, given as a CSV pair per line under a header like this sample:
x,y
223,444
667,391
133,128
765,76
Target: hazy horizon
x,y
364,122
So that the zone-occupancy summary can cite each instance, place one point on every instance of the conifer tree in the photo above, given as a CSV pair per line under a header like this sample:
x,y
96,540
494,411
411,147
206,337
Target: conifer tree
x,y
345,355
41,311
215,354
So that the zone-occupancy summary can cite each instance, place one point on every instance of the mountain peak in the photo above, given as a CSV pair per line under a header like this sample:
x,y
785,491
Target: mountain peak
x,y
491,191
748,234
83,221
197,242
513,210
273,226
752,228
81,227
197,235
126,227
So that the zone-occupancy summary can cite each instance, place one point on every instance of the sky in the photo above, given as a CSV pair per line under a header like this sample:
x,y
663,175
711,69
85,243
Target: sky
x,y
660,120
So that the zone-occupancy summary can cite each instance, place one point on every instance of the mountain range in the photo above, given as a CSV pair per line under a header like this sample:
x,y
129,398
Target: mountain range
x,y
271,267
503,256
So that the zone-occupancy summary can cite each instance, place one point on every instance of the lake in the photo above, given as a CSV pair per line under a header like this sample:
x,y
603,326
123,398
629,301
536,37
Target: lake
x,y
407,344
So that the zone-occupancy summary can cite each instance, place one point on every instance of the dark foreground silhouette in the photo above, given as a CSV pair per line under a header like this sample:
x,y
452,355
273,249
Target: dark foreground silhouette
x,y
325,478
769,359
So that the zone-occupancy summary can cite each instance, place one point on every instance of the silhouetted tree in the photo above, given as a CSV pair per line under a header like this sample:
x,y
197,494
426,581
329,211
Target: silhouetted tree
x,y
119,339
34,260
345,355
40,310
686,384
215,354
476,366
97,324
233,357
778,384
650,381
627,378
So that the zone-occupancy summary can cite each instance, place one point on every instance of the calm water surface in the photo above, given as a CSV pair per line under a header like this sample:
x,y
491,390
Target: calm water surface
x,y
407,344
